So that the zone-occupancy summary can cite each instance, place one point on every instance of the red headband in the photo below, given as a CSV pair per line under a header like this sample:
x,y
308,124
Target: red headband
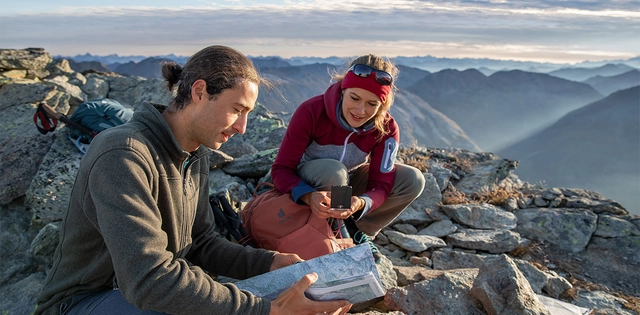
x,y
369,83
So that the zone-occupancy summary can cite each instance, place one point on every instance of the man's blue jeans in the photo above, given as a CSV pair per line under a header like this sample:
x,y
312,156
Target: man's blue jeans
x,y
106,302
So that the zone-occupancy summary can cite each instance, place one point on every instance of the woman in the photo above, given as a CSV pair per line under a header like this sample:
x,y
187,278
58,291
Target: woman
x,y
346,136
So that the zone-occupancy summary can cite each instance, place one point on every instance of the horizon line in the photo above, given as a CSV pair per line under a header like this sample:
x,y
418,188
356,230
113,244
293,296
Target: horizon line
x,y
346,57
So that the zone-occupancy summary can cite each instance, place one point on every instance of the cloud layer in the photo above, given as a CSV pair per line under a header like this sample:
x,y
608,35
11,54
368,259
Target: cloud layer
x,y
566,31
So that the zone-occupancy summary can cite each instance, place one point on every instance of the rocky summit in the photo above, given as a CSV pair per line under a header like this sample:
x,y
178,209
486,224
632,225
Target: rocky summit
x,y
477,241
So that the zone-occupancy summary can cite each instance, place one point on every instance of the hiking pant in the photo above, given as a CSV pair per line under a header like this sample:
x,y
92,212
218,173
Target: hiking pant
x,y
407,186
106,302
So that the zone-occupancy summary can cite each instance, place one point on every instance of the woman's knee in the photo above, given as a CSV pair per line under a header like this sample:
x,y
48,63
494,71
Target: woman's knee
x,y
324,172
411,179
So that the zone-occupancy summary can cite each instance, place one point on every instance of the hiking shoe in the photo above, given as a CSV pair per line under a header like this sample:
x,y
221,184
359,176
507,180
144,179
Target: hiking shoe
x,y
360,238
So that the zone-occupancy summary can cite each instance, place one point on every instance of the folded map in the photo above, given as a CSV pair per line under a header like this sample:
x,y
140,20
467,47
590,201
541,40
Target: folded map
x,y
349,274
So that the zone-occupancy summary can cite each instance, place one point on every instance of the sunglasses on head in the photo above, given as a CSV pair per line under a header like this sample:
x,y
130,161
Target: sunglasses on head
x,y
365,71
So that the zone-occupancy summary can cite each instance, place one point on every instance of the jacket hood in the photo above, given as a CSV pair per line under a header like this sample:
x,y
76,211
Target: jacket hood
x,y
333,107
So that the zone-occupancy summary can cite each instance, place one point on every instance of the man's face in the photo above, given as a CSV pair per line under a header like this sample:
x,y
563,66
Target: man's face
x,y
225,115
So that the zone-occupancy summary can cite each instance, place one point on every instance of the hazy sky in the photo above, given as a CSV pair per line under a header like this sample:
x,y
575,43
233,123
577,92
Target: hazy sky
x,y
562,31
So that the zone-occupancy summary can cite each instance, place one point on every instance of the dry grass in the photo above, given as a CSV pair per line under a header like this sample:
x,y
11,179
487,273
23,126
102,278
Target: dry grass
x,y
415,158
454,197
631,302
498,194
495,195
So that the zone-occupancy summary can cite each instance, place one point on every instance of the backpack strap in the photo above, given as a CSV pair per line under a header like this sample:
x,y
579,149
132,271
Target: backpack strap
x,y
227,218
43,121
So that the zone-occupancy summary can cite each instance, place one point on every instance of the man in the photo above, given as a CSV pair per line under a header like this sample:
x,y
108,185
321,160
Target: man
x,y
138,237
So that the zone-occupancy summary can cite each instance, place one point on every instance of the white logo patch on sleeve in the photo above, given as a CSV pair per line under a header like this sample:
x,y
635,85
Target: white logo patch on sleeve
x,y
389,156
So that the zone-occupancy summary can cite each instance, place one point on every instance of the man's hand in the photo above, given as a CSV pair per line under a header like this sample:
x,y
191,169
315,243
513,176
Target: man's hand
x,y
293,301
283,260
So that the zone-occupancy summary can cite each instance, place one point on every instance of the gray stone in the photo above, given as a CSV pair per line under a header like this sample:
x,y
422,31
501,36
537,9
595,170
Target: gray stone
x,y
441,175
511,204
26,92
218,159
50,189
597,206
494,242
45,243
252,165
611,226
414,243
62,84
567,228
95,87
551,193
446,259
22,148
439,228
481,216
487,174
502,289
24,59
602,302
452,296
405,228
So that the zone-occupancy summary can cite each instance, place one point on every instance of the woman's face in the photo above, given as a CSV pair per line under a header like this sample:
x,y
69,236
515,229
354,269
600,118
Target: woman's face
x,y
359,106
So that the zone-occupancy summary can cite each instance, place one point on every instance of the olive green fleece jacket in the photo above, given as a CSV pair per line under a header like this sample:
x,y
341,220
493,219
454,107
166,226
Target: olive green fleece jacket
x,y
139,217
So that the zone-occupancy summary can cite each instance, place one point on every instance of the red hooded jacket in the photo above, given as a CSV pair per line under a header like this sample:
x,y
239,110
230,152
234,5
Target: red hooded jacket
x,y
317,131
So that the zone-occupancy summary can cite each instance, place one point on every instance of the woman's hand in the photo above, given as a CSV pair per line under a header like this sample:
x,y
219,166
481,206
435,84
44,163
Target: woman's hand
x,y
283,260
319,202
357,204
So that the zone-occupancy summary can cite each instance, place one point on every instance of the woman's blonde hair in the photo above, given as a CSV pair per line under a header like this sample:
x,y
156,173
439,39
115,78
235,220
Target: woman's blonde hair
x,y
385,65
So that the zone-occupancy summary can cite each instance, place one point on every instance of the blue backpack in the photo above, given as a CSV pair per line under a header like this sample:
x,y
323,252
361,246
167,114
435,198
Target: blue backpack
x,y
92,117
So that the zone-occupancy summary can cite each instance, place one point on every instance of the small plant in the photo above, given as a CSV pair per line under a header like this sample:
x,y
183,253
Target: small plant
x,y
454,197
415,157
497,194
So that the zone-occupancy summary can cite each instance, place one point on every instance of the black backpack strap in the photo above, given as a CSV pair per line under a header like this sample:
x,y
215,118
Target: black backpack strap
x,y
227,219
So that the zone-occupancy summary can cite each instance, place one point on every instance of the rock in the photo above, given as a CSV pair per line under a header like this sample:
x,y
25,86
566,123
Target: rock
x,y
502,289
252,165
453,295
439,228
494,242
405,228
46,241
611,226
24,59
599,300
481,216
414,243
50,189
570,229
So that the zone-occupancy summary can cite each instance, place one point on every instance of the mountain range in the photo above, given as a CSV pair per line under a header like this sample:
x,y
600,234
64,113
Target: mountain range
x,y
428,63
521,114
595,147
